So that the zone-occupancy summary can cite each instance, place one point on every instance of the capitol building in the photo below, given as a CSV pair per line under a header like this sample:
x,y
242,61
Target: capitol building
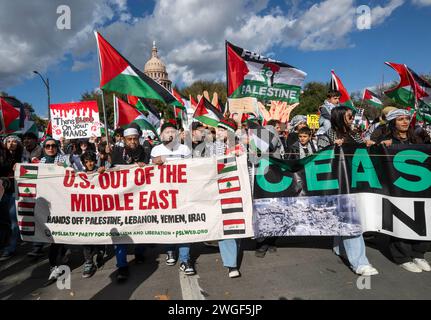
x,y
156,69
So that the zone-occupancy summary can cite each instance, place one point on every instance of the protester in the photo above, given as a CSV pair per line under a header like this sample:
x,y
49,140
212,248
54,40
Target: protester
x,y
198,137
304,146
5,225
409,254
131,153
10,155
32,151
280,132
52,155
31,154
332,101
340,133
379,124
118,137
224,145
171,149
89,160
103,158
298,122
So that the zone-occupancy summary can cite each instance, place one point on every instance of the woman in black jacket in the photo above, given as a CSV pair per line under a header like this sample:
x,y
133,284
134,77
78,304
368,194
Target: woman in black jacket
x,y
10,154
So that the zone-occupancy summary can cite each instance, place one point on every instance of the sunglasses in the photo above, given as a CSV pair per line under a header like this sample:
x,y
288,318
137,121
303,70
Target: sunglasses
x,y
350,117
50,146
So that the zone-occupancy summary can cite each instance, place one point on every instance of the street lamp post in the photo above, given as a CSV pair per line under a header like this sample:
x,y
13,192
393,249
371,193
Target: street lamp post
x,y
47,89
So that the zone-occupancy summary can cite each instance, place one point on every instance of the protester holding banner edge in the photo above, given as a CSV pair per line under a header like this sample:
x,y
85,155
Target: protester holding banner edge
x,y
11,155
131,153
341,133
171,149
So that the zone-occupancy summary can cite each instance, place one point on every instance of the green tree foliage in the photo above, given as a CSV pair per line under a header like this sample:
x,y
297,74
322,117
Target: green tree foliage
x,y
198,87
312,98
109,105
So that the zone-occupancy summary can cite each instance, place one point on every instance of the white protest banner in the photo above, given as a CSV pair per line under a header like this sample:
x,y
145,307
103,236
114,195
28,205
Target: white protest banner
x,y
75,120
191,200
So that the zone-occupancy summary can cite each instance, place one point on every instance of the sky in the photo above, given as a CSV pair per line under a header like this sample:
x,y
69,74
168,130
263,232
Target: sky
x,y
314,36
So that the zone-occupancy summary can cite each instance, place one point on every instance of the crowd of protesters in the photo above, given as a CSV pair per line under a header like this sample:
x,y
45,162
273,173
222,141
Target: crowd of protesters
x,y
131,146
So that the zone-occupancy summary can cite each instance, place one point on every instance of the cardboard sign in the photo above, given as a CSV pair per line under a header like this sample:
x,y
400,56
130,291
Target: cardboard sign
x,y
313,121
243,105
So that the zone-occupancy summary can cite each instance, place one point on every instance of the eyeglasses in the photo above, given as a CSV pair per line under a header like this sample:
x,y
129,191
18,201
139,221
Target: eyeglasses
x,y
349,116
50,146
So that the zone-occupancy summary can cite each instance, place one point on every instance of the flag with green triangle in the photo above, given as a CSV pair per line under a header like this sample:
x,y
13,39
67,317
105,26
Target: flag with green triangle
x,y
125,114
403,92
206,113
336,84
412,91
145,107
372,98
119,75
11,115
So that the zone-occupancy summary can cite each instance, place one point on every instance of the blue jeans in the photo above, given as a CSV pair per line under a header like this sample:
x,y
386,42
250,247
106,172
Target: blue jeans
x,y
183,250
121,253
9,200
353,248
229,252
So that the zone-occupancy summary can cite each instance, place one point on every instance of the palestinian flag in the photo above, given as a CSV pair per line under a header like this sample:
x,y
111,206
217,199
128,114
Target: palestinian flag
x,y
252,75
125,114
424,111
234,226
371,98
27,190
422,90
179,111
206,113
26,208
144,106
28,172
180,99
48,131
231,205
403,92
412,91
226,165
118,74
11,115
30,126
229,185
336,84
193,103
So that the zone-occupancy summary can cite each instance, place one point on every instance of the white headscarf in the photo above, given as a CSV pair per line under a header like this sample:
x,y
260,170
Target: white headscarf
x,y
397,113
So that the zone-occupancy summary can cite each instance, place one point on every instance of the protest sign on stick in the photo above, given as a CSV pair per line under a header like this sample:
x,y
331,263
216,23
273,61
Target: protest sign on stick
x,y
75,120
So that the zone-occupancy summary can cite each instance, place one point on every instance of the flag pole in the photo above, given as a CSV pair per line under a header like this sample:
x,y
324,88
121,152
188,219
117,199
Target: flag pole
x,y
3,126
363,99
103,95
114,103
227,109
104,116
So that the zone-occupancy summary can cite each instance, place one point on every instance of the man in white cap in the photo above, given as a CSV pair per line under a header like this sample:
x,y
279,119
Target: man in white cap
x,y
131,153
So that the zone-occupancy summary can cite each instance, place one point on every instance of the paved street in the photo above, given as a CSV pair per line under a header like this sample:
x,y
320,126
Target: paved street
x,y
302,268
